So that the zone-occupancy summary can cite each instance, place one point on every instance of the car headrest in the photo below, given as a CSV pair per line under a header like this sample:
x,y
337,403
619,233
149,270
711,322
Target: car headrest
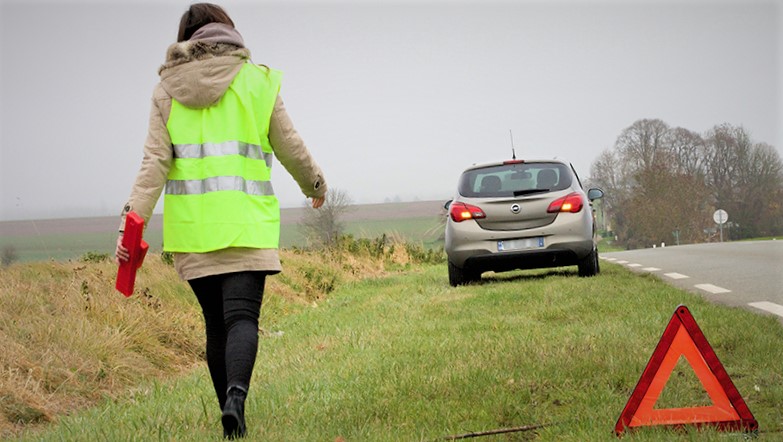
x,y
546,179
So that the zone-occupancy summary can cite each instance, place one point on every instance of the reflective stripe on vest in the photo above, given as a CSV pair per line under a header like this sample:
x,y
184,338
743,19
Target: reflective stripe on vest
x,y
221,149
217,184
218,193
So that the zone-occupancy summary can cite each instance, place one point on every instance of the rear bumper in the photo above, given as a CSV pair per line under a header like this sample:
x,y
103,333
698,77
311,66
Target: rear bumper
x,y
562,254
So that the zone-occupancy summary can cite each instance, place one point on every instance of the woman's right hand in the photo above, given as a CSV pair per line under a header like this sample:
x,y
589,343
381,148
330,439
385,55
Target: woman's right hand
x,y
318,202
121,254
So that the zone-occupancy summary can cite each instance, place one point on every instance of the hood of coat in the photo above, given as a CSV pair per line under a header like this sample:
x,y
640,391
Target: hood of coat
x,y
197,72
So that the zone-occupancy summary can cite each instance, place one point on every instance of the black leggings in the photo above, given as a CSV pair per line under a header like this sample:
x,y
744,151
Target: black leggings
x,y
231,304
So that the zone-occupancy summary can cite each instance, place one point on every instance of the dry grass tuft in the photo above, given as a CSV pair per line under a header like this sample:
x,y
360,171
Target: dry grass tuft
x,y
70,339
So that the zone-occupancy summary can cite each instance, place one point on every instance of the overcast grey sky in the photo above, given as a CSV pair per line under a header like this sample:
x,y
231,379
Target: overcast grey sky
x,y
394,98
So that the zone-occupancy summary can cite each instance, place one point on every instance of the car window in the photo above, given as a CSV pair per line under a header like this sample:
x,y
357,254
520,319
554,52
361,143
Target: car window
x,y
514,179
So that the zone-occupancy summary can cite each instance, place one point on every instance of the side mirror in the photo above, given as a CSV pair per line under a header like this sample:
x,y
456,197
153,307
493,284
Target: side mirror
x,y
594,194
447,205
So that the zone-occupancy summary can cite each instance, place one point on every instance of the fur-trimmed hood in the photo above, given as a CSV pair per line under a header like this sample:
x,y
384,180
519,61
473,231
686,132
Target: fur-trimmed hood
x,y
197,72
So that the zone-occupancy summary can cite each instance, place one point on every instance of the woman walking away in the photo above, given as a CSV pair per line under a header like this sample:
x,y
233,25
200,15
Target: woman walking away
x,y
215,124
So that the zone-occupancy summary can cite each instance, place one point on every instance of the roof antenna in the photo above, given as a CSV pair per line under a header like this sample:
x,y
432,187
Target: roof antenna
x,y
513,153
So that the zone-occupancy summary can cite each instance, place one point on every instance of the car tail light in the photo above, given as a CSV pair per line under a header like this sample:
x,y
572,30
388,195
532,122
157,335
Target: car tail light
x,y
460,212
570,203
513,162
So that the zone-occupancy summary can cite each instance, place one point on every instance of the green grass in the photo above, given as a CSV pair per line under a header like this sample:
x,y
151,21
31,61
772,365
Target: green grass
x,y
407,357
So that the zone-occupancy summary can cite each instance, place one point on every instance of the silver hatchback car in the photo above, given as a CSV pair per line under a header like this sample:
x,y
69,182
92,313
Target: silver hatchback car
x,y
520,214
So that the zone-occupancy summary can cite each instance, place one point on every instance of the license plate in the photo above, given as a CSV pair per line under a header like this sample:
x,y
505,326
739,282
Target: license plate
x,y
521,244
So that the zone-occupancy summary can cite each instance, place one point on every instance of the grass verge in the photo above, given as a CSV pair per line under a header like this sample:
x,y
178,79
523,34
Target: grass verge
x,y
407,357
70,340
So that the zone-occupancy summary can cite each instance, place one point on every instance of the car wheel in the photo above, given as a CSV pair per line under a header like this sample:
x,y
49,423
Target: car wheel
x,y
458,276
588,266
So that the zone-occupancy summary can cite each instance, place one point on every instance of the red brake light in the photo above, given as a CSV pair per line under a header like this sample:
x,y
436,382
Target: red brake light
x,y
460,212
570,203
513,161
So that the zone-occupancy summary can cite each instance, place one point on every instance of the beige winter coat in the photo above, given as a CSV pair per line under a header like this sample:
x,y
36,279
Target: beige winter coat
x,y
197,73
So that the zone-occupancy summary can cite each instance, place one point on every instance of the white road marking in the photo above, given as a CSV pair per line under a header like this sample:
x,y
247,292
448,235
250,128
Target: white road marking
x,y
768,306
676,275
714,289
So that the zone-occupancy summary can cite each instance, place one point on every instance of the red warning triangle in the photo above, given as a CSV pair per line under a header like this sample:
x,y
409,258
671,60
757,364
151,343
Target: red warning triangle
x,y
137,247
683,338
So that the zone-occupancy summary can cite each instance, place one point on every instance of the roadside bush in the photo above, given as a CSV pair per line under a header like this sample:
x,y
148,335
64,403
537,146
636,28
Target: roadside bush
x,y
391,248
167,258
321,280
423,255
94,257
374,248
8,255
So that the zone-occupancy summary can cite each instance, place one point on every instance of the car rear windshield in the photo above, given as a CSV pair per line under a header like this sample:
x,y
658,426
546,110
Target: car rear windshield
x,y
508,180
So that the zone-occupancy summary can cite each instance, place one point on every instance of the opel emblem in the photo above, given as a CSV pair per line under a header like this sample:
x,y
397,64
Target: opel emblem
x,y
515,208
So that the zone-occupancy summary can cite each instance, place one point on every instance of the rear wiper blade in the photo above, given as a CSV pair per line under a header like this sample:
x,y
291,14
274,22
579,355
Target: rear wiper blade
x,y
529,191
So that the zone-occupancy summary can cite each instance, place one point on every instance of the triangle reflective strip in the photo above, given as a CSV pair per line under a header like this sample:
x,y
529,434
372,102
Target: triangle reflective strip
x,y
683,337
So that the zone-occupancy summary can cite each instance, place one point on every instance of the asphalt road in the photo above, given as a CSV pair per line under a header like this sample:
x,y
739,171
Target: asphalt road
x,y
743,274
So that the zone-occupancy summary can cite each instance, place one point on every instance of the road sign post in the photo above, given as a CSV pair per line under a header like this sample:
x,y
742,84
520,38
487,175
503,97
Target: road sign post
x,y
720,217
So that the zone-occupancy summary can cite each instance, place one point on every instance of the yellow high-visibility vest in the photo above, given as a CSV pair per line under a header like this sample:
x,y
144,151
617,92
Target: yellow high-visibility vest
x,y
219,193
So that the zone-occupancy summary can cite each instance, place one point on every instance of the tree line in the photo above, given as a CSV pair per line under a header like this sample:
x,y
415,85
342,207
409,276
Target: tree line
x,y
664,183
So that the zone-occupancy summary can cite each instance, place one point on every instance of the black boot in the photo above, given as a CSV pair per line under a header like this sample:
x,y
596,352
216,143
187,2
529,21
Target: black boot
x,y
234,413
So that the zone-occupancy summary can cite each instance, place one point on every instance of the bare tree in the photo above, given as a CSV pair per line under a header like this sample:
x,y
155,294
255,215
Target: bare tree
x,y
643,144
642,170
727,151
745,179
665,202
688,152
605,172
767,189
323,226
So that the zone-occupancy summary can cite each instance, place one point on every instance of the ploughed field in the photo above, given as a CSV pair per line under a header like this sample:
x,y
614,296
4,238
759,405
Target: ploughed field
x,y
33,240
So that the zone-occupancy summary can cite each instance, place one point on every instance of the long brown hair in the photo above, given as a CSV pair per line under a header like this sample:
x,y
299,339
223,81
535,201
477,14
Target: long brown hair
x,y
198,15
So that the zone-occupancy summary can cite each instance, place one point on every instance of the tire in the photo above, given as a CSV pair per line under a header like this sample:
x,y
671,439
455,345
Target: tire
x,y
588,266
458,276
